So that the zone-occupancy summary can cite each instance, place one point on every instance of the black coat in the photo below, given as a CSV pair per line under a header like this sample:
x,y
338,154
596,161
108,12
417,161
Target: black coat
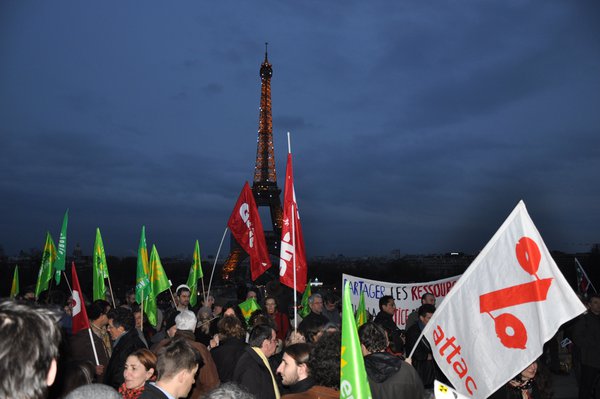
x,y
152,392
252,373
391,377
128,343
225,356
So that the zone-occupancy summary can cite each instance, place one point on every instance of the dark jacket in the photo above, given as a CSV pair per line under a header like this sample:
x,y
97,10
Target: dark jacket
x,y
422,358
252,373
586,335
386,321
152,392
80,348
128,343
391,377
225,355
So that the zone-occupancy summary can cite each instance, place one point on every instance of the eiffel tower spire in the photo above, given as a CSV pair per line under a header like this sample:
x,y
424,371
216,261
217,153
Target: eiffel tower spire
x,y
264,187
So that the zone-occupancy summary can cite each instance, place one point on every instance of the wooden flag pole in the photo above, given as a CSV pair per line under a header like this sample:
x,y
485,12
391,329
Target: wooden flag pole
x,y
215,263
142,311
203,291
112,296
172,296
67,280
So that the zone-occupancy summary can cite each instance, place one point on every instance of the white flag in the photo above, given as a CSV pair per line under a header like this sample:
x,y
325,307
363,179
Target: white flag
x,y
495,320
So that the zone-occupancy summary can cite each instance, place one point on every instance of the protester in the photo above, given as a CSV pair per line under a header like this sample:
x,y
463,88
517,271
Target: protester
x,y
29,344
412,318
202,332
231,345
293,369
422,358
313,322
229,390
387,309
140,367
176,366
331,309
281,320
126,340
389,376
586,335
94,391
183,297
531,383
253,370
75,374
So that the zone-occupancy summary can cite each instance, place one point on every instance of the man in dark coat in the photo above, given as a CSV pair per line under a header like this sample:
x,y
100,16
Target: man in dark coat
x,y
252,370
586,335
387,308
389,376
230,346
422,358
312,324
126,340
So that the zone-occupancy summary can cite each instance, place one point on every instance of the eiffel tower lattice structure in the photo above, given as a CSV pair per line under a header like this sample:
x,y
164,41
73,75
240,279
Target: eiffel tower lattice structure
x,y
264,187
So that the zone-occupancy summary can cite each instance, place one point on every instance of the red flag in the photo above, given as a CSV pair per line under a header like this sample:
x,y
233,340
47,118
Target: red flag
x,y
246,227
80,318
292,243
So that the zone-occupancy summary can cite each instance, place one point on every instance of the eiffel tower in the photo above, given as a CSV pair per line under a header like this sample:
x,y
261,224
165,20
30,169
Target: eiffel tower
x,y
265,189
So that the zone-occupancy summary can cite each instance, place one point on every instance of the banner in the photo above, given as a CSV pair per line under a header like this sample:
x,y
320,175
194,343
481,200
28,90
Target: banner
x,y
406,296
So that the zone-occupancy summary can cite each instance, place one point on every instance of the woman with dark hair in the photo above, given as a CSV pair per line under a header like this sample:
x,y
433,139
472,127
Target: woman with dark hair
x,y
531,383
139,368
231,344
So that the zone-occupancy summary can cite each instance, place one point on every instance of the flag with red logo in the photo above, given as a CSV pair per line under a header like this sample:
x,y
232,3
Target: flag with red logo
x,y
246,227
583,281
292,242
80,318
496,319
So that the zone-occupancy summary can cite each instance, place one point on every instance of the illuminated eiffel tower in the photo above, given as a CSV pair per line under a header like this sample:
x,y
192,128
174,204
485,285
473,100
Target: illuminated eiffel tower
x,y
265,189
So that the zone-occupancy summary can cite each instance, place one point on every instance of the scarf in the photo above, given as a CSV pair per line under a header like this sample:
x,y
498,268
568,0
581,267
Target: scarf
x,y
133,393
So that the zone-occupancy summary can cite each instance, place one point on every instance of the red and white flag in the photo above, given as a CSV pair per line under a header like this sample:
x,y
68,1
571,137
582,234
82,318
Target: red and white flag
x,y
80,318
246,227
292,242
494,322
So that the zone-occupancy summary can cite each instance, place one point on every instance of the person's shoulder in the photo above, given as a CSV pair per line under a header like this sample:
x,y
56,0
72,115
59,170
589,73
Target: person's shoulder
x,y
152,392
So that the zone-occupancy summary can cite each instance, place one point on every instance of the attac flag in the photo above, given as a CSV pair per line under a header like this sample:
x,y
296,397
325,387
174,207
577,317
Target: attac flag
x,y
195,275
292,242
142,278
583,281
361,311
14,288
353,377
80,317
511,300
99,269
246,227
248,307
61,250
304,306
158,283
46,268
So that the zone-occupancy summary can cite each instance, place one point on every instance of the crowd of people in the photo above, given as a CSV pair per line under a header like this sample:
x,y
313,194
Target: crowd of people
x,y
213,351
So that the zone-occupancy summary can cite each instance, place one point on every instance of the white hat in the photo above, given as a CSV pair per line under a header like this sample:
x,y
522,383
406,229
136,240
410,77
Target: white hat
x,y
186,321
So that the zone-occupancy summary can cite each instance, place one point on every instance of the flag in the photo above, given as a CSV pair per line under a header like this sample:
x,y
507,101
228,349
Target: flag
x,y
248,307
46,268
80,317
99,269
14,288
583,281
61,250
511,300
361,311
158,283
142,278
246,227
292,242
442,391
304,307
353,377
195,274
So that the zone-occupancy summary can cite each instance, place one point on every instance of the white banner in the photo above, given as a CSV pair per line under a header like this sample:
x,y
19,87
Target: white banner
x,y
406,296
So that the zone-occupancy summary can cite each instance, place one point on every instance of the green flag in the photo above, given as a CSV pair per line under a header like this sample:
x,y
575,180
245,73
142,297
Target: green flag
x,y
304,308
158,283
61,250
248,307
195,274
45,273
14,288
361,311
142,278
353,377
99,269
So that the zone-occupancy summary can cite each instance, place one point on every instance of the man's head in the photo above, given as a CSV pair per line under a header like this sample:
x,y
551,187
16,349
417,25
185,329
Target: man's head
x,y
130,297
294,364
425,313
315,302
594,303
120,320
373,338
387,304
176,366
29,341
428,299
186,321
183,295
251,294
330,302
263,337
324,361
97,312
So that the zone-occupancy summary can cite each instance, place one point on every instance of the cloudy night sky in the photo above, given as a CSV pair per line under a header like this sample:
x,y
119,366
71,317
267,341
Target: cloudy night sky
x,y
416,125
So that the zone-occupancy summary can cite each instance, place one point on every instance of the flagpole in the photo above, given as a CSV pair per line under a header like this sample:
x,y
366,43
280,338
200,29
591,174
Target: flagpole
x,y
203,291
172,296
94,347
215,263
585,274
142,311
294,243
112,296
67,280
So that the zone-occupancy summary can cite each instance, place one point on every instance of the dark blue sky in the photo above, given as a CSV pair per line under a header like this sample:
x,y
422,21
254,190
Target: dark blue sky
x,y
415,125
